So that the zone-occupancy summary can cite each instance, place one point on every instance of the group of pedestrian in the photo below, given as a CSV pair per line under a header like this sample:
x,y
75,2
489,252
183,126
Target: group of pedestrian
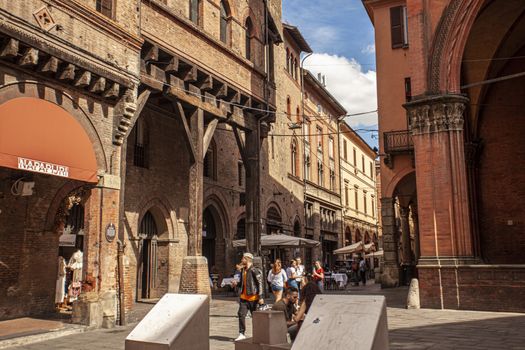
x,y
293,288
279,278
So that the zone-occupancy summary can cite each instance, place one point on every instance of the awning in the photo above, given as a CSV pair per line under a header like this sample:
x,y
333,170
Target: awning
x,y
370,247
377,254
280,241
352,248
39,136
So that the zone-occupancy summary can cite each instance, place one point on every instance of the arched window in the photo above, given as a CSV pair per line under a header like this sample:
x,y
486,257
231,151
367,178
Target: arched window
x,y
248,37
292,68
288,108
348,236
225,14
287,60
297,229
241,229
140,146
148,225
294,157
298,114
209,166
194,11
295,69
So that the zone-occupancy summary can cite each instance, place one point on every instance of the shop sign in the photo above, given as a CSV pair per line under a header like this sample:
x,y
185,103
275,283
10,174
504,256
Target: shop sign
x,y
67,239
111,232
43,167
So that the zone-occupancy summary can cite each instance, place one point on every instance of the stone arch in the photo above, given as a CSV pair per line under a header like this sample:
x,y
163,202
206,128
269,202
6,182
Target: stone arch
x,y
62,99
215,243
274,218
447,47
248,13
392,185
297,227
347,240
160,209
56,202
358,236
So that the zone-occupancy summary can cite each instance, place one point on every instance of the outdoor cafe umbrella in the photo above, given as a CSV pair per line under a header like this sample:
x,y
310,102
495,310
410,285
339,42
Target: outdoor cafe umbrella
x,y
375,254
280,241
355,248
352,248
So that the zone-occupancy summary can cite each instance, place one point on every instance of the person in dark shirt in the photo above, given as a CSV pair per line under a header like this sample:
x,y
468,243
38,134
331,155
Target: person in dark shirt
x,y
286,305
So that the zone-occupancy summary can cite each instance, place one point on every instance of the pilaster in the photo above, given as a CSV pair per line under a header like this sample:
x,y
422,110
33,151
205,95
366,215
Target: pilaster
x,y
436,124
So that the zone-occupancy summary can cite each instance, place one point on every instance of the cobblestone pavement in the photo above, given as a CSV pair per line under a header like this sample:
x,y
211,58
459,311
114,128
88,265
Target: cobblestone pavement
x,y
408,329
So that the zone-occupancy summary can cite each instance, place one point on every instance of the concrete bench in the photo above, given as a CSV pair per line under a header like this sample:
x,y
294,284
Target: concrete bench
x,y
177,321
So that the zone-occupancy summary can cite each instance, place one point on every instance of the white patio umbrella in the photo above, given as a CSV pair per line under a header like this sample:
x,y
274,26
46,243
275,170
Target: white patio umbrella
x,y
377,254
352,248
280,241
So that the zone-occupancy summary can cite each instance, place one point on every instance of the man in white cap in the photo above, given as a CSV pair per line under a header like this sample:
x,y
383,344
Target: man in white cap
x,y
250,291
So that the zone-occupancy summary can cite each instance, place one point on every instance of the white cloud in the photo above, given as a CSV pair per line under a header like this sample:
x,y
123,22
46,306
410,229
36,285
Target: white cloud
x,y
369,49
324,36
354,88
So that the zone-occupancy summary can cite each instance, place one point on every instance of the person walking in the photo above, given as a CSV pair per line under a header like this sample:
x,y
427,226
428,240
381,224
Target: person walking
x,y
300,273
292,274
277,278
362,270
251,291
318,275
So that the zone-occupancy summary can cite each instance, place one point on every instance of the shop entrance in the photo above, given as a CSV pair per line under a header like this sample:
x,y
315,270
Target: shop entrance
x,y
70,253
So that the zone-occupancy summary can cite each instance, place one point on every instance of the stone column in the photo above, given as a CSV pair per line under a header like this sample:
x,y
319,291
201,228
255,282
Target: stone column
x,y
405,235
443,202
251,166
96,305
415,220
194,276
390,276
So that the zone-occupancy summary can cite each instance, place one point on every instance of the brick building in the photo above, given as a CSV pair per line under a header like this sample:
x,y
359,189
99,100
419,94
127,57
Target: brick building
x,y
129,117
68,76
322,114
156,153
358,191
450,123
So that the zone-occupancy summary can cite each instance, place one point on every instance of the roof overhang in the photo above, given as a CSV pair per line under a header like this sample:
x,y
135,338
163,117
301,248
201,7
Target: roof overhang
x,y
296,35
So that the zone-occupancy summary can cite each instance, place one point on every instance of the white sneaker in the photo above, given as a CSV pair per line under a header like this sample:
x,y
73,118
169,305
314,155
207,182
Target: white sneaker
x,y
240,337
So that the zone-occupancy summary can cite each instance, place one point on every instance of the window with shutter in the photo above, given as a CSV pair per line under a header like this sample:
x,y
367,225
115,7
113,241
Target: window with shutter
x,y
224,23
194,11
398,26
105,7
248,38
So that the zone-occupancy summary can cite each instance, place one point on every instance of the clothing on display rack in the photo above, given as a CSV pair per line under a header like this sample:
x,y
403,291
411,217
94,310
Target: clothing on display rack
x,y
61,281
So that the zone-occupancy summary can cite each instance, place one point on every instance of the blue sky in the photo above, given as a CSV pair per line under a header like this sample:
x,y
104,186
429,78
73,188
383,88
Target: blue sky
x,y
342,37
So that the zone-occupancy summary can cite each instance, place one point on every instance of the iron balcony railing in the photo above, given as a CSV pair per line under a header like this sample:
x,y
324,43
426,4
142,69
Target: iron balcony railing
x,y
398,141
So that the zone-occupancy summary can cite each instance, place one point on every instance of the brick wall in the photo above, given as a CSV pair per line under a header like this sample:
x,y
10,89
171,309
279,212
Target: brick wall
x,y
501,177
487,288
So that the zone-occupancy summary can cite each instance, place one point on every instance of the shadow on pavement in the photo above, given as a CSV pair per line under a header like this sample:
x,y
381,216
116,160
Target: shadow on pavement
x,y
489,333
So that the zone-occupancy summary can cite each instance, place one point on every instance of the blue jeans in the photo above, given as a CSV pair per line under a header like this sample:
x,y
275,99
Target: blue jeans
x,y
293,283
320,285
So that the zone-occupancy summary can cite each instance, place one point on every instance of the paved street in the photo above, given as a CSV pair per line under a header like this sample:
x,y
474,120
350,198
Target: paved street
x,y
409,329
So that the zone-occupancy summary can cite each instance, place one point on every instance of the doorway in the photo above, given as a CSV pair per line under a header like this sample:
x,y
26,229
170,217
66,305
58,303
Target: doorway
x,y
209,233
148,256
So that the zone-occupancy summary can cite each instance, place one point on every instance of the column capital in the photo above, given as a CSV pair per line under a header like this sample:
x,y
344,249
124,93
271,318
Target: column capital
x,y
437,113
